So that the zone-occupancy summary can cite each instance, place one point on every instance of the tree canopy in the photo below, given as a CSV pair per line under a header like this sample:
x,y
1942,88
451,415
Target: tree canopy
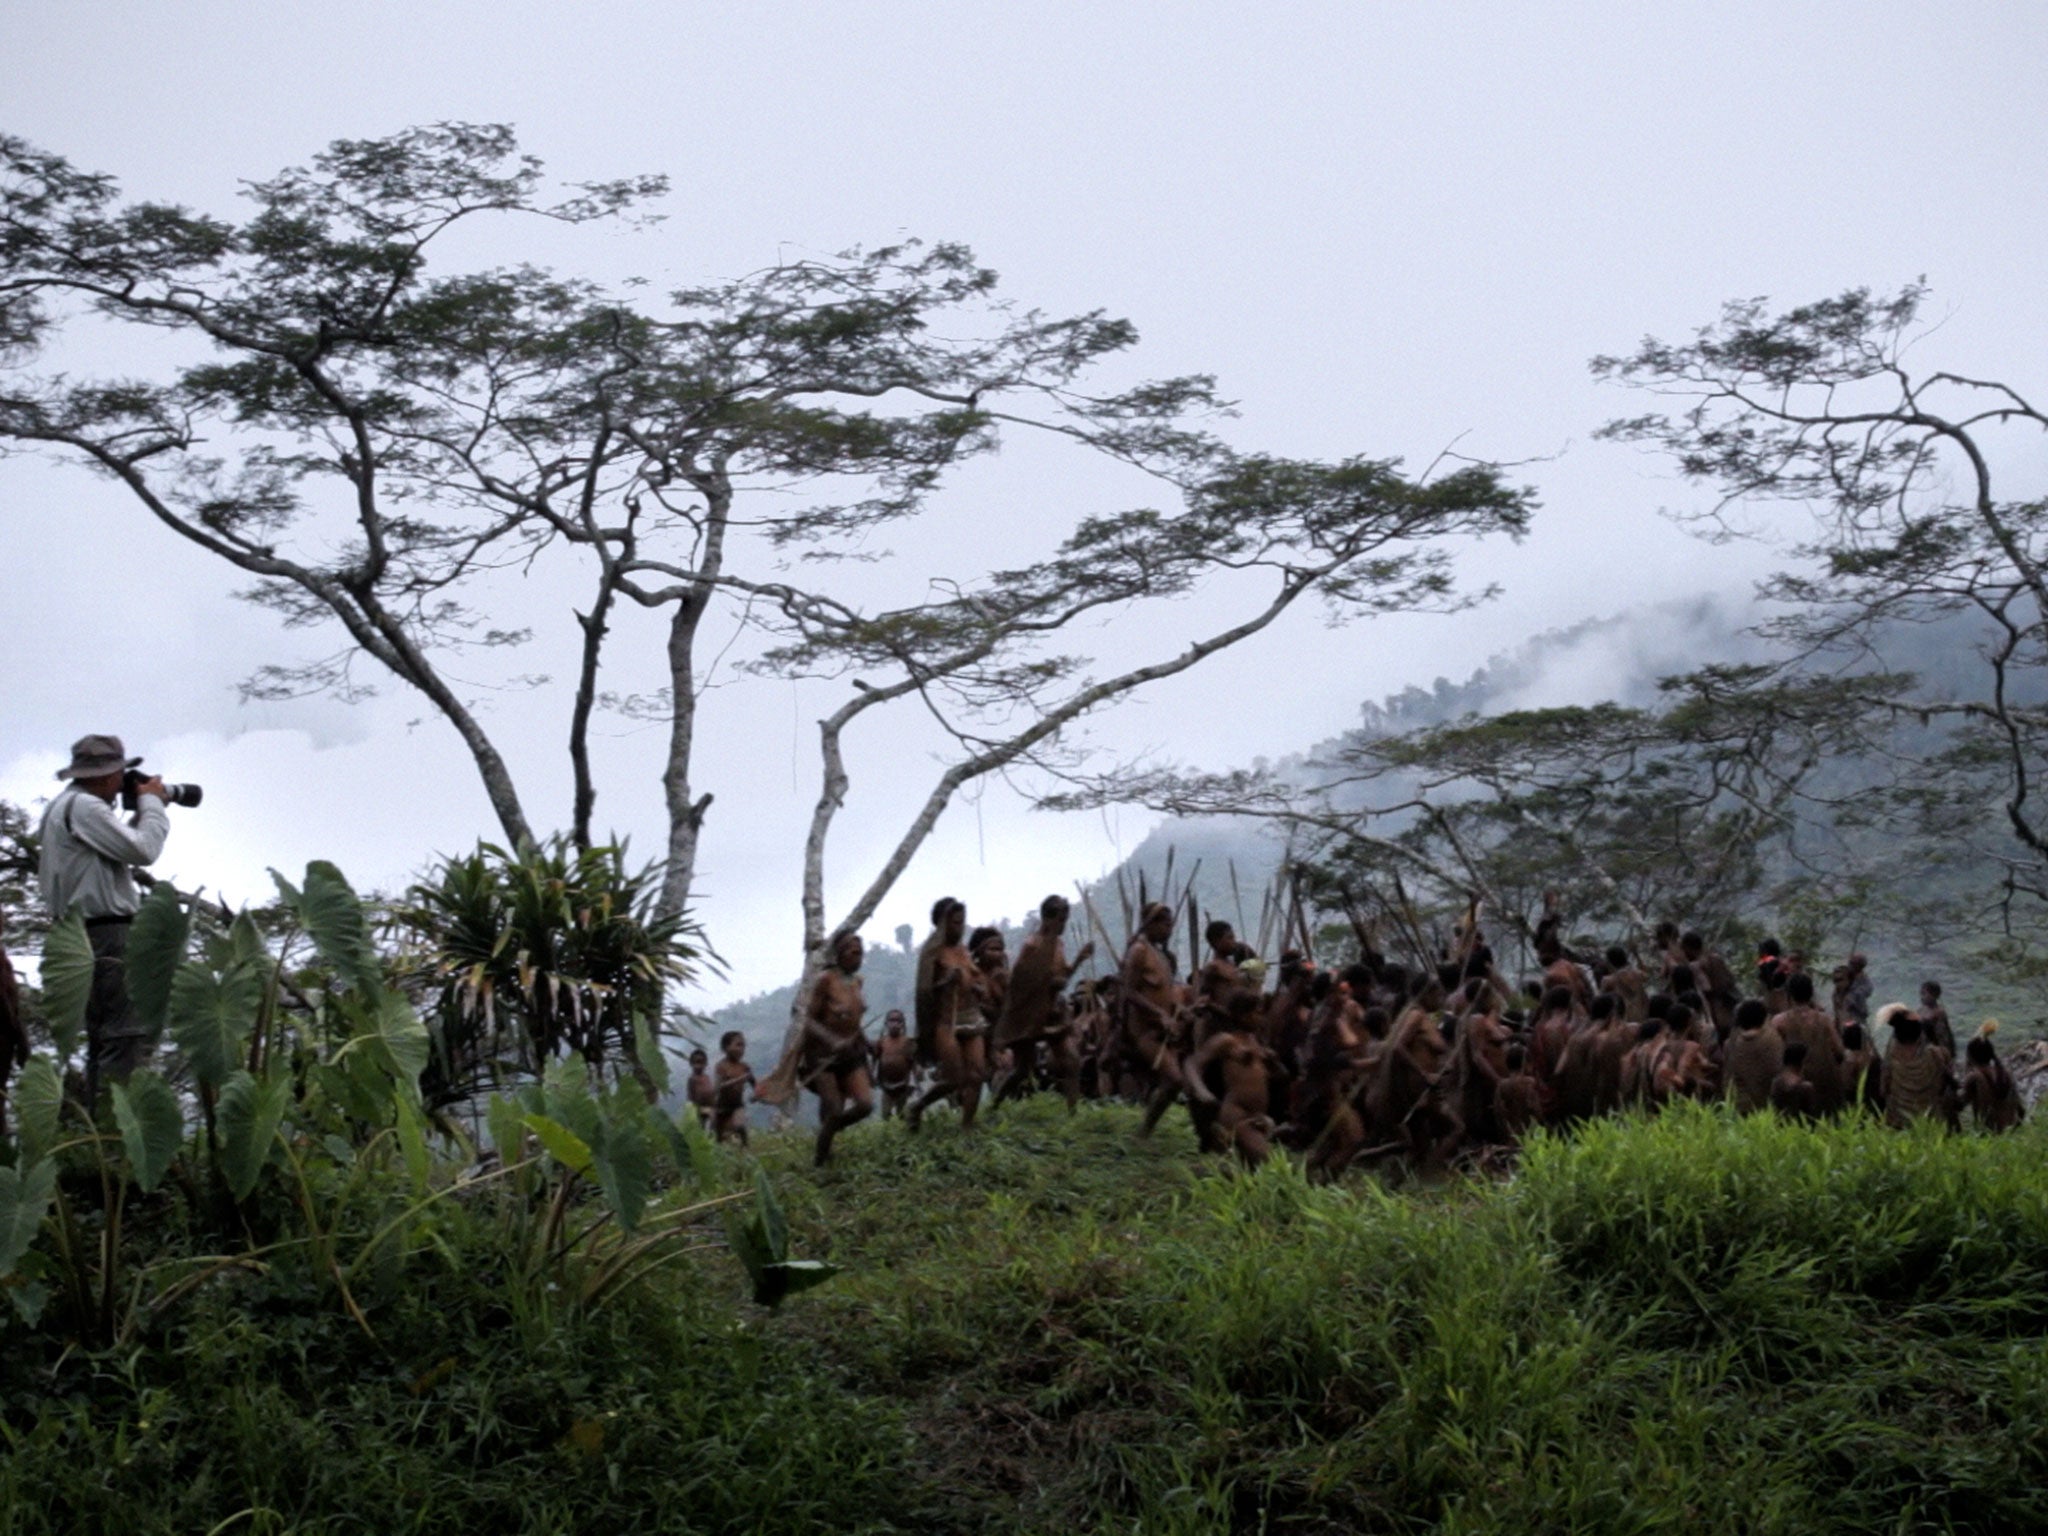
x,y
368,429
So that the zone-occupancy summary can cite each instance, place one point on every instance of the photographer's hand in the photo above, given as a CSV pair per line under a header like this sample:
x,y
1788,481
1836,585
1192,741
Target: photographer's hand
x,y
153,785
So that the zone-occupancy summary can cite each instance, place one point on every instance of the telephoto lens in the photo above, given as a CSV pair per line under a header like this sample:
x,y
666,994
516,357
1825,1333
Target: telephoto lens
x,y
174,794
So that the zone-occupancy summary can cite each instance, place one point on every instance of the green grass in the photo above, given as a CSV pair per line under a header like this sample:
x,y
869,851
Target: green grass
x,y
1692,1324
1696,1324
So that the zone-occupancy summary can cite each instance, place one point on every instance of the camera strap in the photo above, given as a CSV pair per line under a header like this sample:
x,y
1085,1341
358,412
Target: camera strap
x,y
141,877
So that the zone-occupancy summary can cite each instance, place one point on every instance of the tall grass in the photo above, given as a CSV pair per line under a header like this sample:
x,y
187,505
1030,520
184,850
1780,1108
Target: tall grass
x,y
1696,1323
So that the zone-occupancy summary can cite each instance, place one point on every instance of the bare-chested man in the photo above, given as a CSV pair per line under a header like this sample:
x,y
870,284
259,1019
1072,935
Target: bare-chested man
x,y
1284,1027
1625,980
1688,1068
1241,1122
1669,955
1715,981
1034,1011
1518,1105
1096,1010
1772,972
1755,1054
1591,1054
1853,988
949,924
1220,978
895,1063
1556,1022
1324,1112
992,965
1608,1040
1153,1014
1409,1095
1639,1085
949,1002
1481,1053
1988,1089
834,1063
1822,1038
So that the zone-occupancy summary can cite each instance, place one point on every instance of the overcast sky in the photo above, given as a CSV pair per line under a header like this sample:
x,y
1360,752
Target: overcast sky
x,y
1385,227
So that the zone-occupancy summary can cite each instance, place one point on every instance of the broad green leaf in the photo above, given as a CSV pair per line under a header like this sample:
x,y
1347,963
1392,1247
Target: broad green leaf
x,y
25,1196
67,980
801,1274
212,1017
334,919
624,1163
152,1126
647,1050
386,1038
703,1151
563,1144
694,1152
248,1115
508,1130
28,1298
358,1085
38,1103
743,1234
761,1243
245,941
402,1039
412,1143
565,1091
768,1210
156,948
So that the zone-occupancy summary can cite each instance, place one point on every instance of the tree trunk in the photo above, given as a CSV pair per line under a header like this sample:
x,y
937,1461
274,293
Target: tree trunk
x,y
685,814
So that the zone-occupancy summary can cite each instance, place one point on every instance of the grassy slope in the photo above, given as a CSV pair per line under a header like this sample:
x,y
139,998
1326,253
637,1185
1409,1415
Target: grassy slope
x,y
1695,1325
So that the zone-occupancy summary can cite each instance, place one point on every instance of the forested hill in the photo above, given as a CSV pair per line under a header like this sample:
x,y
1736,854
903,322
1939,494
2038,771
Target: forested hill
x,y
1619,658
1622,659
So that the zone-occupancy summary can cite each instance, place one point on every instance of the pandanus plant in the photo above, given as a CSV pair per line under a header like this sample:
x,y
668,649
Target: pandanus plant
x,y
542,953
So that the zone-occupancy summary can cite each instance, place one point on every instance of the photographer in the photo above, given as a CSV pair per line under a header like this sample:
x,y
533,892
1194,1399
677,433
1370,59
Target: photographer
x,y
88,855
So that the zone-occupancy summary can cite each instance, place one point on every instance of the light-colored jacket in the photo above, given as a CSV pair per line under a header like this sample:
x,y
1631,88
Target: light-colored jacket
x,y
89,849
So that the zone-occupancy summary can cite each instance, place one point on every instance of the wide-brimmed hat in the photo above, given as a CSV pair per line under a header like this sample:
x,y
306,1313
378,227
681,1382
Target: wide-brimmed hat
x,y
92,756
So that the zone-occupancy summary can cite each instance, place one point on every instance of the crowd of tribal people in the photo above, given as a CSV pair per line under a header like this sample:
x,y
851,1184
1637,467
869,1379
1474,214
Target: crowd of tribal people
x,y
1376,1060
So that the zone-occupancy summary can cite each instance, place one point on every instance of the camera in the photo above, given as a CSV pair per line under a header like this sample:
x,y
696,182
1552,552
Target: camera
x,y
174,794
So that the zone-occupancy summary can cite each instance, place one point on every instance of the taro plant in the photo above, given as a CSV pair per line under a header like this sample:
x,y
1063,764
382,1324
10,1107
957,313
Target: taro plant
x,y
288,1130
583,1159
278,1078
536,955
